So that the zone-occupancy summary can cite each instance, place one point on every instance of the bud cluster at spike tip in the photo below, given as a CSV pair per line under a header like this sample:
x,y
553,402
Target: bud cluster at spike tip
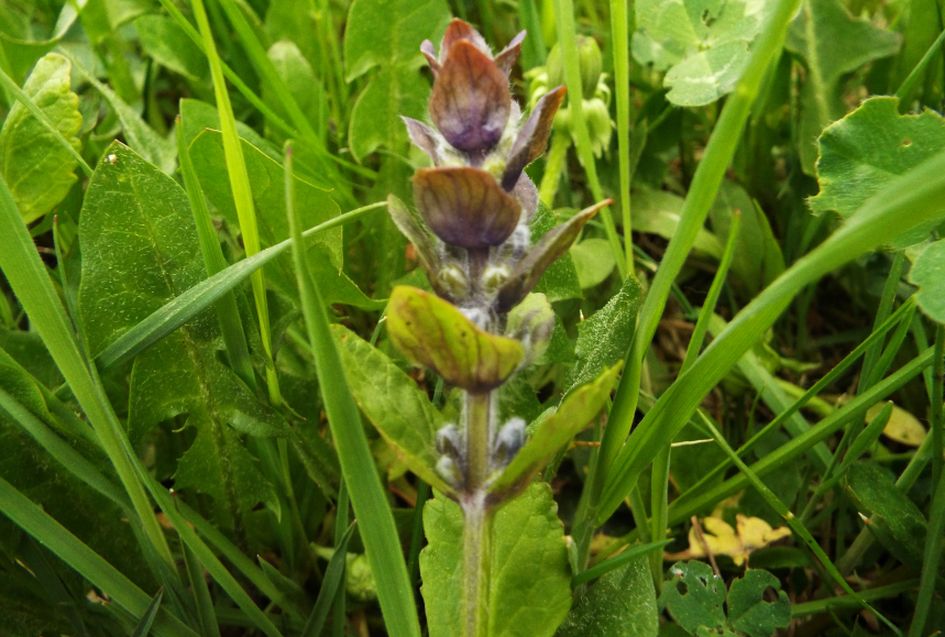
x,y
475,203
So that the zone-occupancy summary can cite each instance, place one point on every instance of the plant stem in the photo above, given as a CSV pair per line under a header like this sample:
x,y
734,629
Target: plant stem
x,y
478,438
477,514
477,554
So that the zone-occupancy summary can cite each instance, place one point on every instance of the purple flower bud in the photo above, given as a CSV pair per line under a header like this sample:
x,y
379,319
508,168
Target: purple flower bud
x,y
471,102
465,206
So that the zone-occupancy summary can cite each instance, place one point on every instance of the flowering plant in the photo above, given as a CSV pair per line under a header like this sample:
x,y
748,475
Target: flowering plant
x,y
473,238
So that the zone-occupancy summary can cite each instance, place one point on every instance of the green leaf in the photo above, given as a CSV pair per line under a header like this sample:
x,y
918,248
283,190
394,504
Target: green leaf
x,y
300,80
659,212
832,43
554,431
37,168
143,628
593,260
928,272
158,150
386,34
530,589
694,596
621,602
531,323
703,43
863,152
749,612
266,175
140,251
164,41
434,333
560,280
757,260
604,337
894,519
393,403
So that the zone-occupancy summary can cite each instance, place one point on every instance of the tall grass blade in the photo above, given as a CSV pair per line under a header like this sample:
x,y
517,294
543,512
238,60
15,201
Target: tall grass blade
x,y
375,520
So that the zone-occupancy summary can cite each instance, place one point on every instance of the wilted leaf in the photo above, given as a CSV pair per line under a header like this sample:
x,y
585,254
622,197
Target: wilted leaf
x,y
394,403
703,43
721,539
33,163
928,272
554,431
530,590
902,426
832,44
432,332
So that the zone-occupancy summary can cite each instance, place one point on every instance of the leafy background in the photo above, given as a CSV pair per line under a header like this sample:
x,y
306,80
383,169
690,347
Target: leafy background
x,y
205,430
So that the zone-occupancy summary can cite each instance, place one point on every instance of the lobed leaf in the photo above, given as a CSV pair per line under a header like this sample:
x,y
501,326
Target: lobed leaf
x,y
704,44
530,590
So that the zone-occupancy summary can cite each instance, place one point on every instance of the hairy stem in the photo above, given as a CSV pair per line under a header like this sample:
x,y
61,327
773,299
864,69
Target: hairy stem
x,y
478,413
477,553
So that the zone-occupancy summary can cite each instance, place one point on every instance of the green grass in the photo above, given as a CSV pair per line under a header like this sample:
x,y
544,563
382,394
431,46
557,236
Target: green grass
x,y
193,442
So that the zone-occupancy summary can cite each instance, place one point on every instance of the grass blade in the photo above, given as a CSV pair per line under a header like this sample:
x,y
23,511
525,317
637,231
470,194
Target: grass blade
x,y
168,318
71,550
702,192
919,192
374,515
143,629
242,194
331,584
567,40
29,281
602,568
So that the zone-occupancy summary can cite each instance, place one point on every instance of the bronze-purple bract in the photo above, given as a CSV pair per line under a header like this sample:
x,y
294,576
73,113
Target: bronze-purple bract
x,y
471,102
552,245
461,30
465,206
533,137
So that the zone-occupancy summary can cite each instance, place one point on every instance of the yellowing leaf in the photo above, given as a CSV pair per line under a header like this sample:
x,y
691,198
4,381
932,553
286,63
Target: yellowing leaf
x,y
721,539
432,332
902,427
